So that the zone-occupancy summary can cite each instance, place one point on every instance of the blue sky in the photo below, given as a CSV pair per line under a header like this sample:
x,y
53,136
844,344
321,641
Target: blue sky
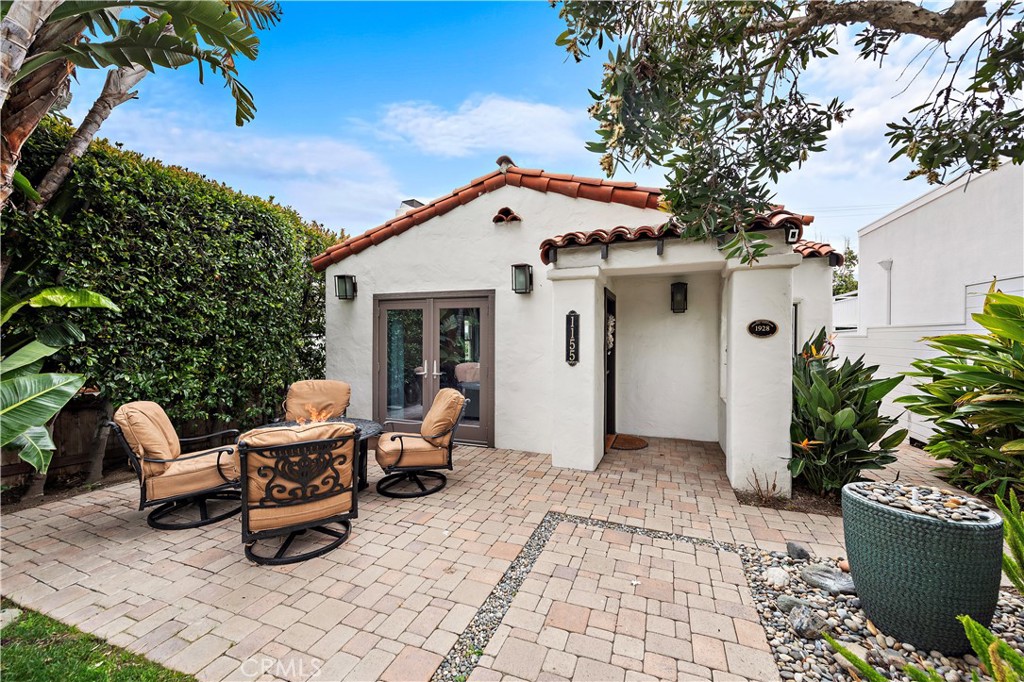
x,y
360,105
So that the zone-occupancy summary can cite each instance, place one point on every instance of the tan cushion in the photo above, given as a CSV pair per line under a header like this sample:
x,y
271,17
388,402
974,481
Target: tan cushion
x,y
418,452
443,413
149,434
189,476
467,371
326,398
271,516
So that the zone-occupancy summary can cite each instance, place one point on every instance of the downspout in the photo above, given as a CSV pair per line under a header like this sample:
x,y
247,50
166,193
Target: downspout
x,y
887,266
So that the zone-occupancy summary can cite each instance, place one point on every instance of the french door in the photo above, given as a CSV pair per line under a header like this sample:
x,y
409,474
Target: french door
x,y
425,344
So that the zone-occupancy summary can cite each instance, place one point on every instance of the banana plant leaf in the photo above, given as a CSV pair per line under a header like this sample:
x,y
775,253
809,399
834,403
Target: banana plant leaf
x,y
32,400
36,447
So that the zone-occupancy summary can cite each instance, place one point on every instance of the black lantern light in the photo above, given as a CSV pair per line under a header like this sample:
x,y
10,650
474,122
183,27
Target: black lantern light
x,y
522,278
679,297
345,287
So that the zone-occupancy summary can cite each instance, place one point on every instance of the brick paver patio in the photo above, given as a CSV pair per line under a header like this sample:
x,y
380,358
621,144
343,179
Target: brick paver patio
x,y
597,604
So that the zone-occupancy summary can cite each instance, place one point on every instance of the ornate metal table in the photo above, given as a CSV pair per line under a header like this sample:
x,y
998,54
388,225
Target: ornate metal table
x,y
367,429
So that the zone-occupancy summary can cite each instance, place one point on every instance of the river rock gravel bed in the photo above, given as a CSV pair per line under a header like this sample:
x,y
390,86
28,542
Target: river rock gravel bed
x,y
809,660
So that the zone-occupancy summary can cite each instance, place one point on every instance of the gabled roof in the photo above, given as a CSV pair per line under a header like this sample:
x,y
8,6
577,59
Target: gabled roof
x,y
574,186
777,219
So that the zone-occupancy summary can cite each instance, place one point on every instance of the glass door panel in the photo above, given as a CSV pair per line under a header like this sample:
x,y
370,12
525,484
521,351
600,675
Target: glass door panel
x,y
404,365
459,346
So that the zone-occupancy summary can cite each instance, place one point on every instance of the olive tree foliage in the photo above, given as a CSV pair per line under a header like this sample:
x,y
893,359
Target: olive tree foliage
x,y
712,91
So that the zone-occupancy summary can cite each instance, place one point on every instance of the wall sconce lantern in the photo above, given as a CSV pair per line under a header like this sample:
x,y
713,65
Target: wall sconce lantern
x,y
679,297
345,287
522,278
792,234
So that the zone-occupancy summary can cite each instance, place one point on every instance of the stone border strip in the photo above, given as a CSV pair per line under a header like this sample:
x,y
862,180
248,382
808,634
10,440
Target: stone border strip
x,y
466,651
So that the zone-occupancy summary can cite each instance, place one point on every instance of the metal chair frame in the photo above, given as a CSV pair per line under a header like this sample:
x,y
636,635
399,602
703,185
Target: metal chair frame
x,y
396,474
165,506
303,463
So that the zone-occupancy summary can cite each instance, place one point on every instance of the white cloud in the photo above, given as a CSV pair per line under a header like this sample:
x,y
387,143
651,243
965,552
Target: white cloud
x,y
326,179
489,124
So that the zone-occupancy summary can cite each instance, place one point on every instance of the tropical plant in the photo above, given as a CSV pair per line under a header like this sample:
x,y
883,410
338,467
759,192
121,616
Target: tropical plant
x,y
974,396
221,306
1001,661
1013,532
717,93
46,40
29,399
837,431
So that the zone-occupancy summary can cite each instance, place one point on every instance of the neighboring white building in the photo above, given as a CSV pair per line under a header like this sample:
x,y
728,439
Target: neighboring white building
x,y
925,268
435,307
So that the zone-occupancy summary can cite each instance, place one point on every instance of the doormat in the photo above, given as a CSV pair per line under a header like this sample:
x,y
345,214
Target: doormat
x,y
622,441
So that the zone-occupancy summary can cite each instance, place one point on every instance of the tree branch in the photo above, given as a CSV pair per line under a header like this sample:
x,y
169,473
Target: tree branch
x,y
902,16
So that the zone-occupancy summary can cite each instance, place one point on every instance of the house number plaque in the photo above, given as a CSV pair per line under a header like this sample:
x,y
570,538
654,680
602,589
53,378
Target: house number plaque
x,y
572,348
762,329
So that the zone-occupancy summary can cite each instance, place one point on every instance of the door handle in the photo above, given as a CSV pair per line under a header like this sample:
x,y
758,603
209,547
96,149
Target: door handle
x,y
420,371
436,373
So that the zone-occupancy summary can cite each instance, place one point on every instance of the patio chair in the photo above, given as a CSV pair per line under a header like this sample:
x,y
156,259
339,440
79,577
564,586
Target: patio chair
x,y
325,397
408,458
170,480
296,480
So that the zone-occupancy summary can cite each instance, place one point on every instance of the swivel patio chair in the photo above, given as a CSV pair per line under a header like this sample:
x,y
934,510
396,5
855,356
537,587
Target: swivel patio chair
x,y
297,479
408,458
324,397
170,480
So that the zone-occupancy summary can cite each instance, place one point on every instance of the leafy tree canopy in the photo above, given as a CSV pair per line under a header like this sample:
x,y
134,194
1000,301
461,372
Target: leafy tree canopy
x,y
844,277
712,91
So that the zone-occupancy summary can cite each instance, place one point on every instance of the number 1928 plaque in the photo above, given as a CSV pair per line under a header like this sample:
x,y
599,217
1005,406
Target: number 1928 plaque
x,y
572,348
762,329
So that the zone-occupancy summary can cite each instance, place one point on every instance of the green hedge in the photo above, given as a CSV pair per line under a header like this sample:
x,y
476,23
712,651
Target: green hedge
x,y
220,307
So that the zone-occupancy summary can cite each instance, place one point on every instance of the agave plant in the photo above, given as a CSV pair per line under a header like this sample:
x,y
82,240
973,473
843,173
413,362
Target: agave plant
x,y
29,398
837,431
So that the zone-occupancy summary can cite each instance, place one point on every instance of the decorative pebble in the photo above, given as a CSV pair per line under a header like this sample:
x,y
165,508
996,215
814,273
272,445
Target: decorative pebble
x,y
828,578
939,504
776,577
798,551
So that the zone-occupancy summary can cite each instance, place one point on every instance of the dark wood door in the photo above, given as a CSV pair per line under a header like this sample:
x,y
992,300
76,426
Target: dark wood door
x,y
609,361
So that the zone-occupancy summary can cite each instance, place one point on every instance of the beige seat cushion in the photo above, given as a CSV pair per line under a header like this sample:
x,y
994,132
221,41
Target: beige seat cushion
x,y
271,516
418,452
325,397
442,415
149,434
467,371
192,476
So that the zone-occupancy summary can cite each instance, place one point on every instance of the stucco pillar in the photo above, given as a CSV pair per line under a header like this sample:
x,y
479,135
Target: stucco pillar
x,y
759,373
577,412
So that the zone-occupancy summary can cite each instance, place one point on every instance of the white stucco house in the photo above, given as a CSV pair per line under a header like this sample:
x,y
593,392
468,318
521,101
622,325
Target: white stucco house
x,y
924,269
566,311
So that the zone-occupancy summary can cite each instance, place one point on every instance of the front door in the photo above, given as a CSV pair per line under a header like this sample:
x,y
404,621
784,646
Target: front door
x,y
426,344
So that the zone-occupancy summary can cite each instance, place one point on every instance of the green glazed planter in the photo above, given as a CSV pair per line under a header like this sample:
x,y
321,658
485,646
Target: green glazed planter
x,y
915,574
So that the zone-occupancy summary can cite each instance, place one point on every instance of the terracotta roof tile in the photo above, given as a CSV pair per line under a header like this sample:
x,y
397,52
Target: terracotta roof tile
x,y
809,249
591,189
776,219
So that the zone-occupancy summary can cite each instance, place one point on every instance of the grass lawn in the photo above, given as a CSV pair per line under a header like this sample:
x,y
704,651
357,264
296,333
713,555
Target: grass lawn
x,y
37,648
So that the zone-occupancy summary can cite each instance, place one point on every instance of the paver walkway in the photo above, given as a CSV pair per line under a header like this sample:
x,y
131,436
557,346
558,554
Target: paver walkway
x,y
597,603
